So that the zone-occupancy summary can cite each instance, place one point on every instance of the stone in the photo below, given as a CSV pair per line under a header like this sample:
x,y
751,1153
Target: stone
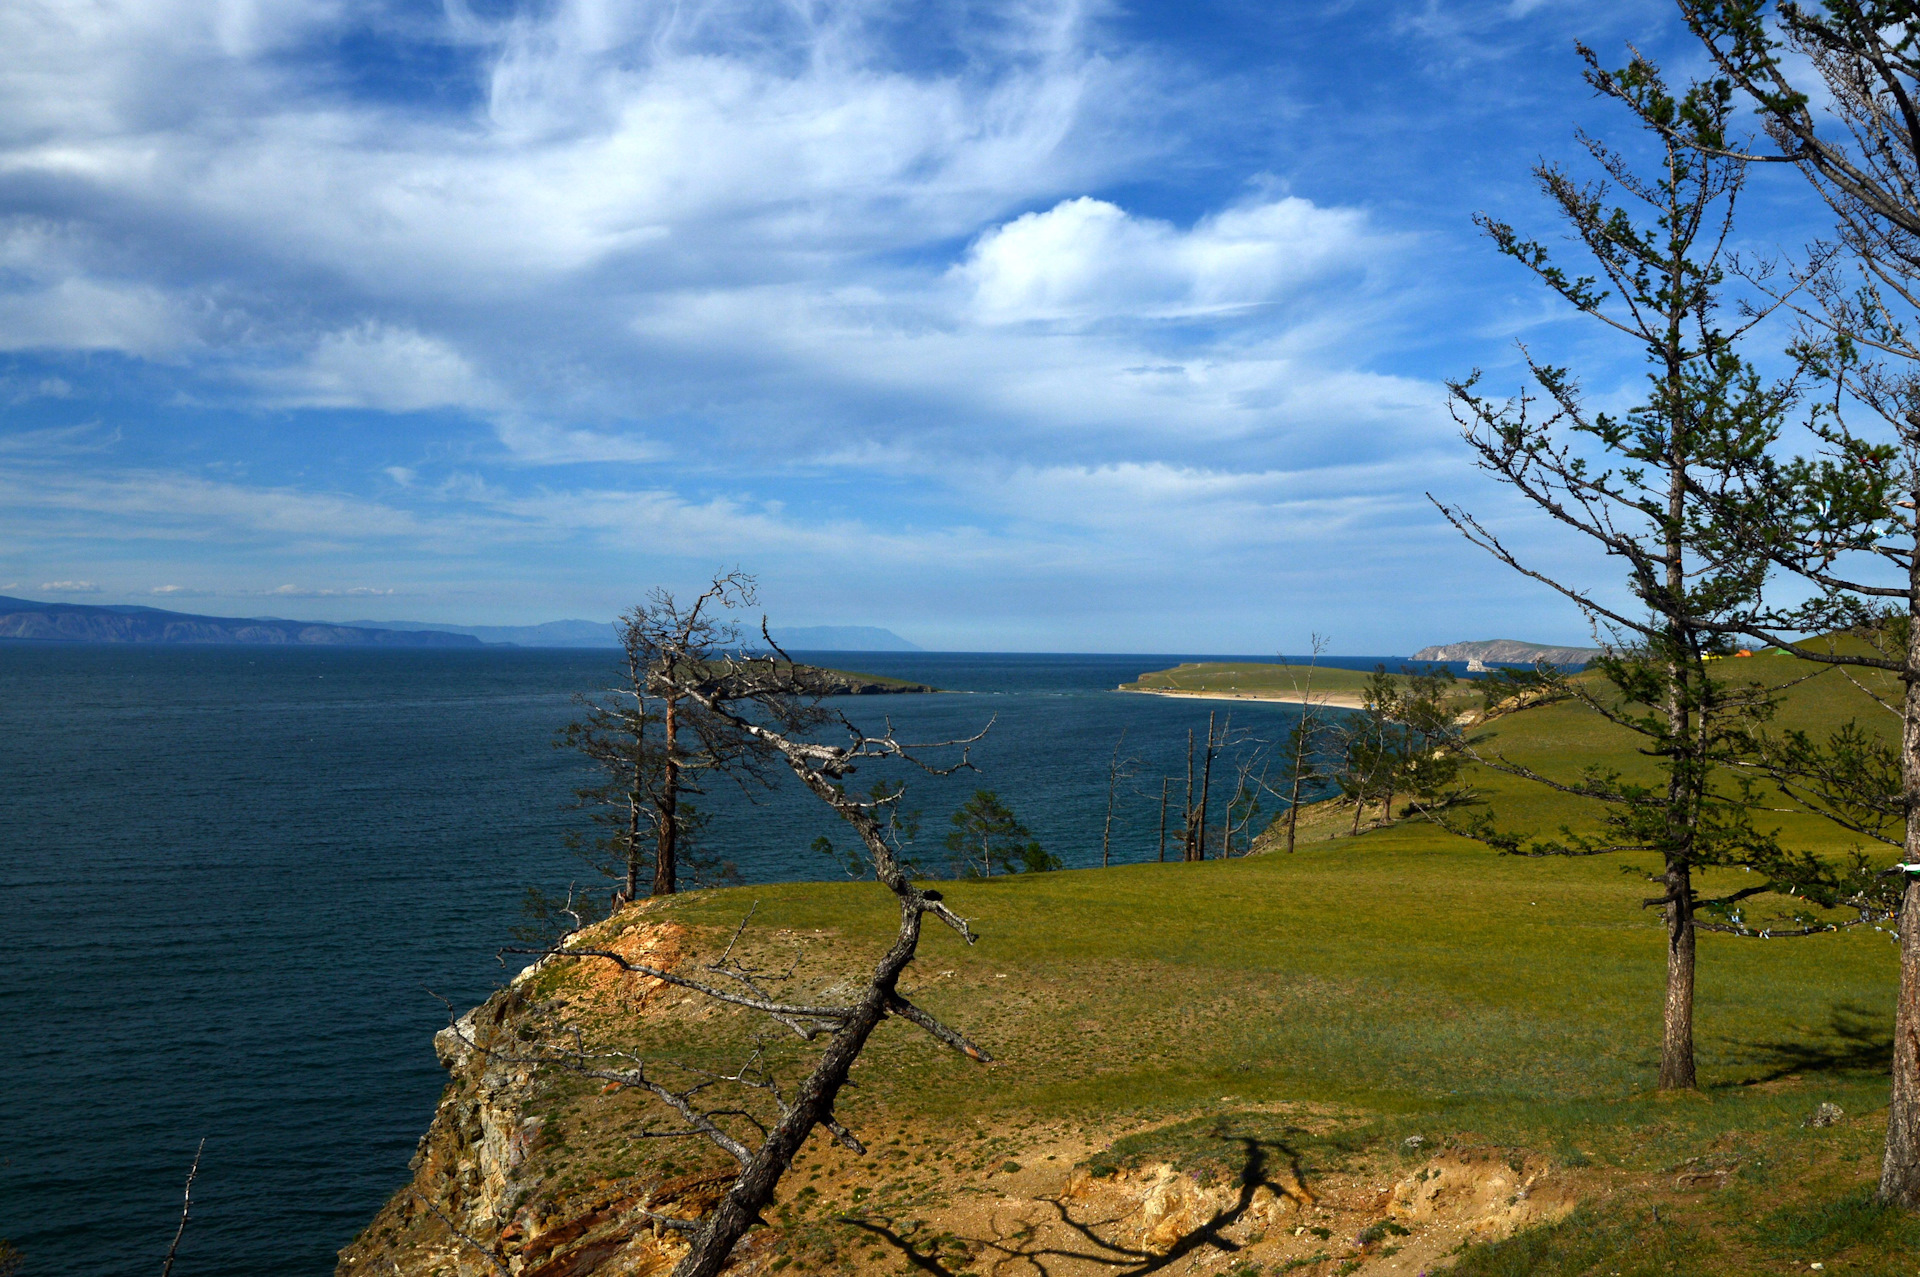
x,y
1827,1114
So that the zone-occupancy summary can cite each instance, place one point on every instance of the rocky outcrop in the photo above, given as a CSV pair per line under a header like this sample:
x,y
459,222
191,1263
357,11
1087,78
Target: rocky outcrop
x,y
1507,652
495,1188
1482,1194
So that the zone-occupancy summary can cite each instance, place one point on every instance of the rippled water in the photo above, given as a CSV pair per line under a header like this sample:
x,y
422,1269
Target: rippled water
x,y
233,881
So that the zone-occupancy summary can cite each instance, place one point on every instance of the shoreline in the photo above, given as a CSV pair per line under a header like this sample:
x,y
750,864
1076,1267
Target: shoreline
x,y
1333,700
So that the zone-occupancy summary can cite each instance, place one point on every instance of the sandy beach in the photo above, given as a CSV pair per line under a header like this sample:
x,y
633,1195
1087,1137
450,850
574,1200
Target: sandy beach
x,y
1338,700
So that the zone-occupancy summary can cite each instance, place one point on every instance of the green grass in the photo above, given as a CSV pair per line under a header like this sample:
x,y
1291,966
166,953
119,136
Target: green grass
x,y
1404,982
1251,676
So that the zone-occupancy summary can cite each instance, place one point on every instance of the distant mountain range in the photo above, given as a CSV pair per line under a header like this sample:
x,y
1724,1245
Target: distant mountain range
x,y
798,638
129,623
549,634
87,623
1507,652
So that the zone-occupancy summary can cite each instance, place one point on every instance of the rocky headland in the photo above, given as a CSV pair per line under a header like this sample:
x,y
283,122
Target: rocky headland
x,y
1507,652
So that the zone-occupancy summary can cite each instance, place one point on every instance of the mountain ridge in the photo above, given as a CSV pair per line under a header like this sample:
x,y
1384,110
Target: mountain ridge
x,y
27,620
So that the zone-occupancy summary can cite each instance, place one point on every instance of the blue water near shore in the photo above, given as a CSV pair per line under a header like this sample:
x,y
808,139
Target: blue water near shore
x,y
234,881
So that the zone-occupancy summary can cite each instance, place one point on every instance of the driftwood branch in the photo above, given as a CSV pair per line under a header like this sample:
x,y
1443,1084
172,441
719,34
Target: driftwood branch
x,y
186,1207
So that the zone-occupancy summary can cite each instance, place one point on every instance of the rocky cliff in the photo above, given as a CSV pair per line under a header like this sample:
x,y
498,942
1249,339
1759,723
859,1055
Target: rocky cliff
x,y
532,1171
1507,652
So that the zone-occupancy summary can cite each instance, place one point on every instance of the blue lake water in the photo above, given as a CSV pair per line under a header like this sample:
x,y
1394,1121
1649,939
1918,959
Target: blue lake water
x,y
233,879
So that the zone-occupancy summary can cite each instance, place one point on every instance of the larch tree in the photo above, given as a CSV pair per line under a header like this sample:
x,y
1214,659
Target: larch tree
x,y
1632,485
986,836
1836,87
1306,744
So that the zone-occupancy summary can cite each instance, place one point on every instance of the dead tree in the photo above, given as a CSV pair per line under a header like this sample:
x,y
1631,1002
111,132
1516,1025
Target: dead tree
x,y
1186,811
1197,822
1118,769
664,641
186,1208
1303,746
1164,782
1250,781
769,702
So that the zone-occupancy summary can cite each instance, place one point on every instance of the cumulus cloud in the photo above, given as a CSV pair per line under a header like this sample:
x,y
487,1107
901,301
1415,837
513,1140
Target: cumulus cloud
x,y
70,587
1089,259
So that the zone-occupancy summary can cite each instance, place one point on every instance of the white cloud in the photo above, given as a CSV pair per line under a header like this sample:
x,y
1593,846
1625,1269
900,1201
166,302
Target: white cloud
x,y
305,592
377,365
539,443
70,587
1089,259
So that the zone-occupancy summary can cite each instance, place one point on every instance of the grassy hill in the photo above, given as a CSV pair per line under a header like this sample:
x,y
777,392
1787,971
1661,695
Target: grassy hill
x,y
1420,1052
1250,678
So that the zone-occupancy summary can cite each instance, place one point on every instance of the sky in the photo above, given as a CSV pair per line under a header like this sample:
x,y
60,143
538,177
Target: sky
x,y
1007,326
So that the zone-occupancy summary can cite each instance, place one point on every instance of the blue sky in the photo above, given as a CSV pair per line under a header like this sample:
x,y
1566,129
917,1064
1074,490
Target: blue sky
x,y
1061,326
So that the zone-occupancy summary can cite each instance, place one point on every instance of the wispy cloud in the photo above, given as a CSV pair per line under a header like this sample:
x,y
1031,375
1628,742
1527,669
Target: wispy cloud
x,y
1027,289
307,592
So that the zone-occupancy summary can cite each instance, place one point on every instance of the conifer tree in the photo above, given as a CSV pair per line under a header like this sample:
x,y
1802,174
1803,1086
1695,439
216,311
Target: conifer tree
x,y
1633,485
1845,522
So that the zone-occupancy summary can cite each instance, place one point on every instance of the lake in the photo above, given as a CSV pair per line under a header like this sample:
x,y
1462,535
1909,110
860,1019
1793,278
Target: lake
x,y
236,881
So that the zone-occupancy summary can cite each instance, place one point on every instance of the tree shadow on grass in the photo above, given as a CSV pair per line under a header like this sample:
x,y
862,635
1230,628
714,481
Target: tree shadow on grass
x,y
1860,1040
1021,1251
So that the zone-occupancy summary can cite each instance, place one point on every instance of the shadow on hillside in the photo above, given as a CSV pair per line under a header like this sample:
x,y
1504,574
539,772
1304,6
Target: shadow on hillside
x,y
1046,1244
1860,1040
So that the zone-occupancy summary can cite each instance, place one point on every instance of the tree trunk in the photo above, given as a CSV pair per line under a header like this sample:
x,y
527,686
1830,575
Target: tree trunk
x,y
665,861
1676,1040
634,799
1685,749
1900,1169
753,1192
1299,762
1164,782
1198,842
1186,827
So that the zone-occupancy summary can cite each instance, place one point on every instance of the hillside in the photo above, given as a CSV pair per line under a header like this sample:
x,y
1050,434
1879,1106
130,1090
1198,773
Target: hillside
x,y
84,623
1378,1055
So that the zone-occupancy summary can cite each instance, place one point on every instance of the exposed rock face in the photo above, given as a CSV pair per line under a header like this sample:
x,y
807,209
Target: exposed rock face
x,y
1484,1194
1507,652
484,1166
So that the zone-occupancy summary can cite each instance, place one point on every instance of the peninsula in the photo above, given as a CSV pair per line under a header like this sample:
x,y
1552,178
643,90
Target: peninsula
x,y
1256,681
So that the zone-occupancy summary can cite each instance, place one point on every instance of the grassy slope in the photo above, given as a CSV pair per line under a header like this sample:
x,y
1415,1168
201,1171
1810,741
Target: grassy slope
x,y
1249,676
1434,988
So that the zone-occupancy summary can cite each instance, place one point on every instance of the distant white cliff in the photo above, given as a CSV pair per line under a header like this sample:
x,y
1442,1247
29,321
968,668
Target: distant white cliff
x,y
1507,652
